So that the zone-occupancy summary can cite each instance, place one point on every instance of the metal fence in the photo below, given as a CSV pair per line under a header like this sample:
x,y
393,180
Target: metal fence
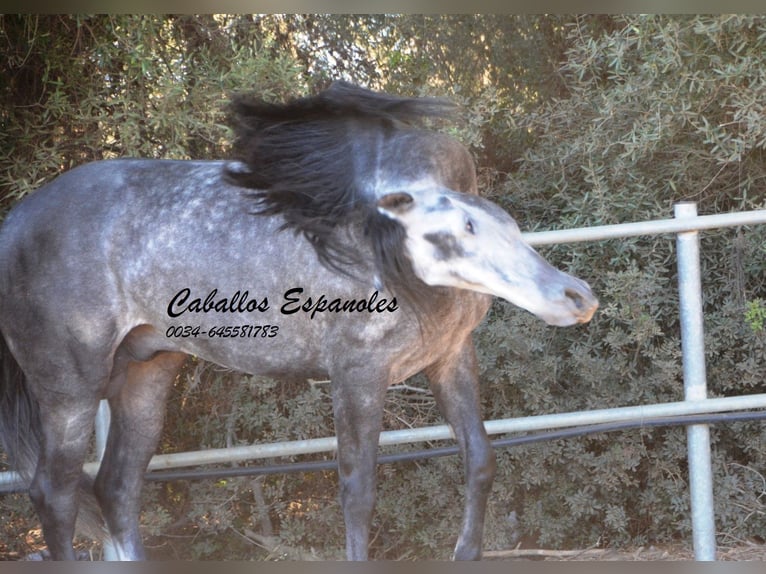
x,y
686,225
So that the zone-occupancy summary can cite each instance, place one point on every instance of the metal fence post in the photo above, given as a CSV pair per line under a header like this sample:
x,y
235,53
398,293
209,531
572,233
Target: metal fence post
x,y
695,386
103,418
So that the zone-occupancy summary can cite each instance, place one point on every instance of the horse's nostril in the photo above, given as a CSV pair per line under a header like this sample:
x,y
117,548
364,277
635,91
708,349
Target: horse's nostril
x,y
576,298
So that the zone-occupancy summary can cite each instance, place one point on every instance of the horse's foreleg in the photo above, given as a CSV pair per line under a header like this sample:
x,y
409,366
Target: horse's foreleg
x,y
66,431
454,381
358,410
138,410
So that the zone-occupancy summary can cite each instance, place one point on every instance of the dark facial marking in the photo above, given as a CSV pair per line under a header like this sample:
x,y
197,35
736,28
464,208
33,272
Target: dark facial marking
x,y
447,246
443,204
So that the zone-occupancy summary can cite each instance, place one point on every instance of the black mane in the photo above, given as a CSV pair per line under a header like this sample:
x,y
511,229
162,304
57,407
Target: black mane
x,y
298,164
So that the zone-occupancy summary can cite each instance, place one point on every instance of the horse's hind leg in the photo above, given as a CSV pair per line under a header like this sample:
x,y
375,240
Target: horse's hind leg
x,y
454,381
137,409
67,427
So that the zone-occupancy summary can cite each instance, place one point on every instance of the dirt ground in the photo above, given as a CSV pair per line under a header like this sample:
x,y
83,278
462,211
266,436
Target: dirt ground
x,y
744,552
741,553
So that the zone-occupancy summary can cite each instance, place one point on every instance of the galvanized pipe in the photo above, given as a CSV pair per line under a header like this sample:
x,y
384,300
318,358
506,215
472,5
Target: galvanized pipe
x,y
695,385
103,419
656,227
442,432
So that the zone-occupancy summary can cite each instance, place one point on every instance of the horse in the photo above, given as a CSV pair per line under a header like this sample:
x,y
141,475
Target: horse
x,y
343,239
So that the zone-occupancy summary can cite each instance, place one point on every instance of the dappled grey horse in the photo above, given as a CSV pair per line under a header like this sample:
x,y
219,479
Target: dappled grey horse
x,y
345,242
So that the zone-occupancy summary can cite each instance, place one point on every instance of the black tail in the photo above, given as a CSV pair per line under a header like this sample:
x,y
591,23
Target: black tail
x,y
19,416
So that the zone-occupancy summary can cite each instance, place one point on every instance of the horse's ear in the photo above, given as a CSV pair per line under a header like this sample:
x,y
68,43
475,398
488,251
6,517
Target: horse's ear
x,y
395,204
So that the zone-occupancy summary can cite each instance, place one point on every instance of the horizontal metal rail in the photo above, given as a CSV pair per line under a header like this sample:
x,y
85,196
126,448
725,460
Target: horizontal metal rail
x,y
442,432
654,227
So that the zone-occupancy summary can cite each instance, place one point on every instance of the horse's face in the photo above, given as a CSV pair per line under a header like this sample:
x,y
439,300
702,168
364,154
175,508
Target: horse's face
x,y
464,241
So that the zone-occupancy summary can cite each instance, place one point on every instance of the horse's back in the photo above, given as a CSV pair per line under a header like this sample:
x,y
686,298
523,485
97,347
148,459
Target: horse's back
x,y
108,246
64,247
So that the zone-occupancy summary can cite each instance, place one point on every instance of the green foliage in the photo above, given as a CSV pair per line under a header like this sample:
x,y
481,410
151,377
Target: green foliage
x,y
574,121
81,88
755,315
658,110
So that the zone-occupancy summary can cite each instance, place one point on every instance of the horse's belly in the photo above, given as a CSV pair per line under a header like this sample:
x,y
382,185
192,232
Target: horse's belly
x,y
255,354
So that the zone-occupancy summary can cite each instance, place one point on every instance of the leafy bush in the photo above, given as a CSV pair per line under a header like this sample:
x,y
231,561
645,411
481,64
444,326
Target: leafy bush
x,y
659,110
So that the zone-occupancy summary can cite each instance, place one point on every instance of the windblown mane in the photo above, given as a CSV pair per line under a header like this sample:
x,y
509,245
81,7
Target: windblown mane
x,y
298,164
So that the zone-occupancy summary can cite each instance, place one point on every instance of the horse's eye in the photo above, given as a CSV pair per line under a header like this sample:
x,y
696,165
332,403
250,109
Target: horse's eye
x,y
469,227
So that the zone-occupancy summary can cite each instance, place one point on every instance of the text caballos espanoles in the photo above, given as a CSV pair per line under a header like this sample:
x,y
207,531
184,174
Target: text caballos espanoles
x,y
293,301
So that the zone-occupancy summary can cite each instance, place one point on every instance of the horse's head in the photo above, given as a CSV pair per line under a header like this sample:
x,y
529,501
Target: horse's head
x,y
461,240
